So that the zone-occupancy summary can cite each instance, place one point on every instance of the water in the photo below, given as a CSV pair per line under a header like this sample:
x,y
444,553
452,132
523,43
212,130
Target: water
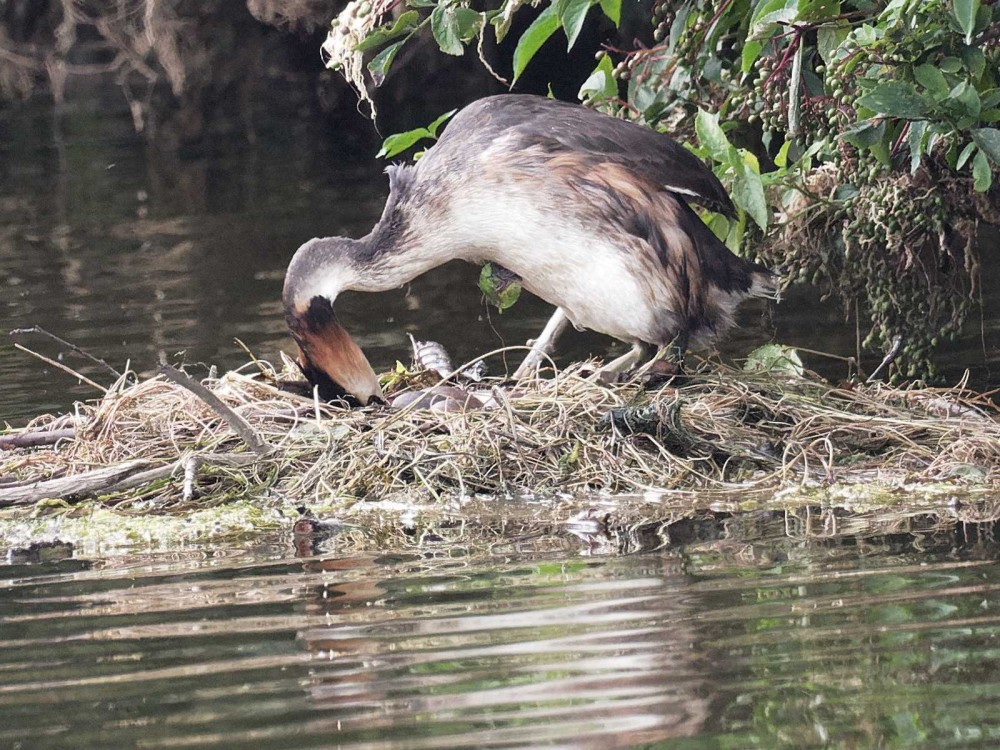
x,y
133,254
878,641
752,635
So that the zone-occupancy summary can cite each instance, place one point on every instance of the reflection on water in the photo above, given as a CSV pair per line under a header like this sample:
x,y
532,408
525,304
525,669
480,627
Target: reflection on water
x,y
130,253
885,642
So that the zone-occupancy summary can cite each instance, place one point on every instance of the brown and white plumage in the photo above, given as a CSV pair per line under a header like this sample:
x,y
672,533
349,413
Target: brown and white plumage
x,y
590,211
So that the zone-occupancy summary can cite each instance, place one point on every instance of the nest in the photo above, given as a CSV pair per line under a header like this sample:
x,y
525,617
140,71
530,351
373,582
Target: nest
x,y
157,445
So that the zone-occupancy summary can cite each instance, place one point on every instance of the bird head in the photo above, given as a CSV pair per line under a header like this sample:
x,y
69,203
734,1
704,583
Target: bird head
x,y
328,356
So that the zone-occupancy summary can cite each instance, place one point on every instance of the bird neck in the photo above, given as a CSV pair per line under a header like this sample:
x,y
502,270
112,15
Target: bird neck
x,y
398,249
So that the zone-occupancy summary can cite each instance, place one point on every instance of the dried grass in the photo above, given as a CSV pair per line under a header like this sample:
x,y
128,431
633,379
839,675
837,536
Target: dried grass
x,y
721,431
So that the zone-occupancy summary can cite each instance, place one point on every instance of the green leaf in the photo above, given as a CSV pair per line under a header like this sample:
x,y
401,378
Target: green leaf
x,y
988,140
974,60
864,134
487,281
828,40
433,127
765,26
711,136
500,289
751,51
951,65
964,156
775,359
990,97
678,26
613,10
917,139
379,64
963,104
965,13
866,35
815,11
748,193
572,14
932,79
533,38
405,24
881,151
444,25
470,23
399,142
765,7
781,160
508,296
982,175
896,99
601,84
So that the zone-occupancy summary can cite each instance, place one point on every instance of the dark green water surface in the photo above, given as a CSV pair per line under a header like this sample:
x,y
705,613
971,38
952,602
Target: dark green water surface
x,y
885,642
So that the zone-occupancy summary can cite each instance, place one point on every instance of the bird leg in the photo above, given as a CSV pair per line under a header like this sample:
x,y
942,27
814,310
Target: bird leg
x,y
624,363
673,352
638,353
544,344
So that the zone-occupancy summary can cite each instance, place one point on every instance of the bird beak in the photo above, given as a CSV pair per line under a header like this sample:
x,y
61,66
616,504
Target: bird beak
x,y
328,356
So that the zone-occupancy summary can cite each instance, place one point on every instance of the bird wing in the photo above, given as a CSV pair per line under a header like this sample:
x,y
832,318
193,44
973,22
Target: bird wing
x,y
591,137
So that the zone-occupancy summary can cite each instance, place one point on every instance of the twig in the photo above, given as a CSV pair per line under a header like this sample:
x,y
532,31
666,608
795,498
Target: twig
x,y
34,439
60,366
897,344
191,466
68,345
234,420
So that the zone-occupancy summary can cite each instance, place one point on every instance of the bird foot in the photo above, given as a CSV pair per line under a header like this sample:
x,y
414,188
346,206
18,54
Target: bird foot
x,y
543,345
614,370
658,373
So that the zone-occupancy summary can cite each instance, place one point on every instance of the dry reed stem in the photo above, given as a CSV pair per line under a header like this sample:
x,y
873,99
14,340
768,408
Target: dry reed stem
x,y
720,431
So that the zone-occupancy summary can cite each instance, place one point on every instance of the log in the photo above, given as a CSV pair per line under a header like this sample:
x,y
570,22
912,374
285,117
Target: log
x,y
35,439
83,484
109,479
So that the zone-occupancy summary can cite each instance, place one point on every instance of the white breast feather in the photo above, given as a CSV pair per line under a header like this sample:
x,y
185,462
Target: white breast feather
x,y
561,261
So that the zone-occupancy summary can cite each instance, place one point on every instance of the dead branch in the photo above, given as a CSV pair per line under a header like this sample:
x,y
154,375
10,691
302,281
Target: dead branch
x,y
240,426
72,347
61,366
35,438
108,480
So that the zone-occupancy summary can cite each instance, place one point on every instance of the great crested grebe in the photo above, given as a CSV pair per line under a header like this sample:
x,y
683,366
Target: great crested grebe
x,y
590,211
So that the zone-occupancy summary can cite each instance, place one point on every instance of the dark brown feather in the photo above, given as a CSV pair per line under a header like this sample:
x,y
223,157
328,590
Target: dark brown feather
x,y
687,272
590,136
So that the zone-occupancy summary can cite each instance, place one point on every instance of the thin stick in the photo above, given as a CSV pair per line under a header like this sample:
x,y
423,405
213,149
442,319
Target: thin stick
x,y
240,426
60,366
897,344
68,345
33,439
191,466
